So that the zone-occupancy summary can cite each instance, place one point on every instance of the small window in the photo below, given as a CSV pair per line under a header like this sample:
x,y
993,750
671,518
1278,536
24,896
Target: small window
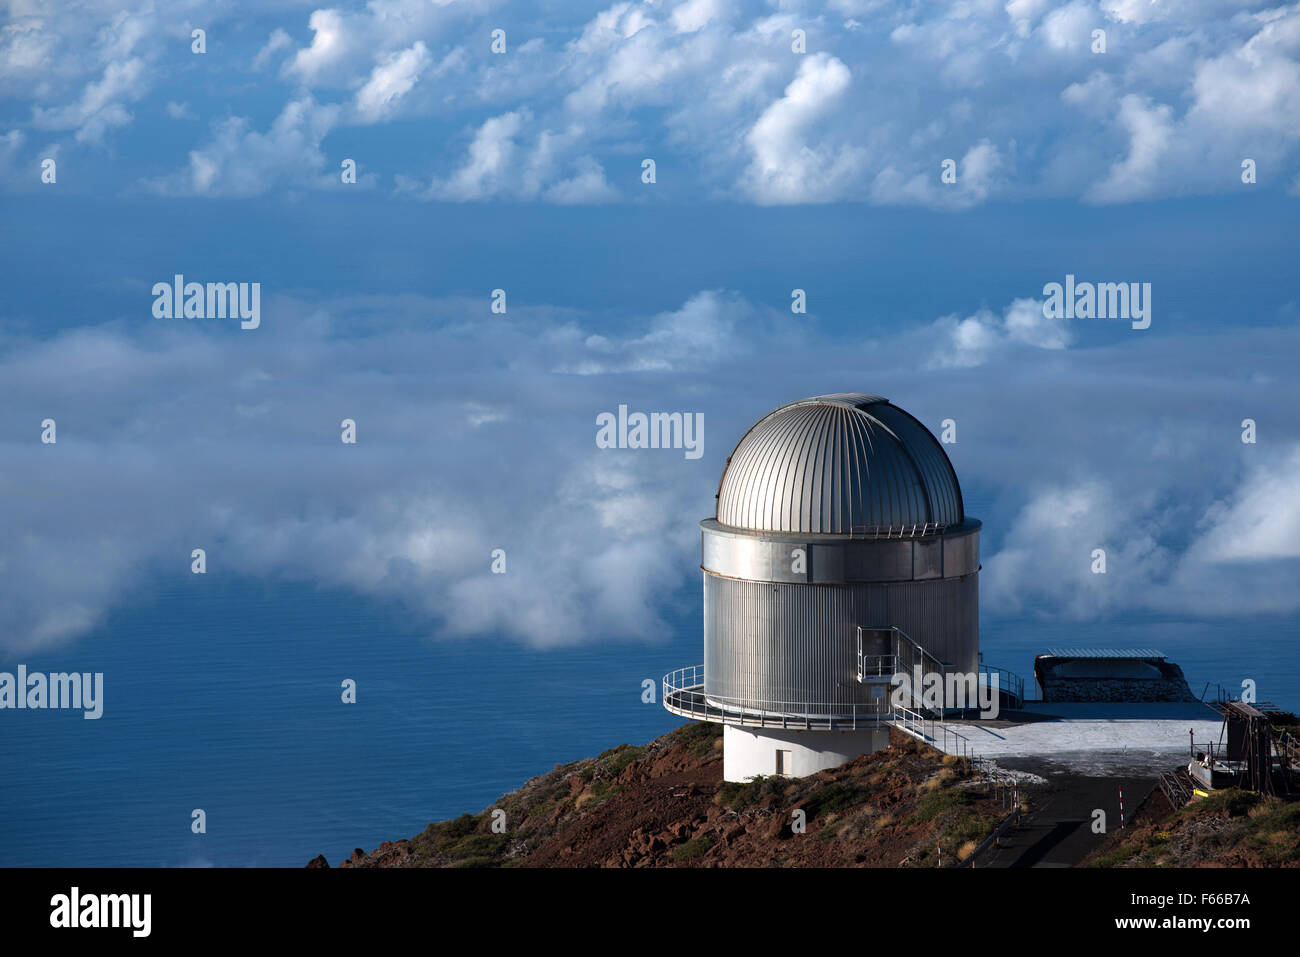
x,y
783,764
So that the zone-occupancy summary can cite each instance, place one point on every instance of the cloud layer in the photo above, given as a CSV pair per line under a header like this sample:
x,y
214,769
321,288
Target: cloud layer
x,y
477,432
789,103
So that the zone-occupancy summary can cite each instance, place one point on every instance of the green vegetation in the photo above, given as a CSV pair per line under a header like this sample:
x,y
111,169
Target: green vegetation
x,y
1120,855
616,759
699,737
737,795
894,804
835,798
1227,822
1275,829
942,799
463,841
693,849
1230,801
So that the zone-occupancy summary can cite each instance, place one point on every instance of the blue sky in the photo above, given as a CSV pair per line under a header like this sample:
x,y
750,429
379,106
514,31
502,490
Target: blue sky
x,y
775,170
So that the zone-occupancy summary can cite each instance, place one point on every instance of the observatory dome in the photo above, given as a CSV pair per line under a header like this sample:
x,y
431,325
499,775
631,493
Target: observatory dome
x,y
836,464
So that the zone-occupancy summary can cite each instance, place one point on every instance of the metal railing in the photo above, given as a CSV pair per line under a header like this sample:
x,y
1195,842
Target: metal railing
x,y
684,694
934,733
896,531
876,666
1008,682
905,656
1177,786
1010,821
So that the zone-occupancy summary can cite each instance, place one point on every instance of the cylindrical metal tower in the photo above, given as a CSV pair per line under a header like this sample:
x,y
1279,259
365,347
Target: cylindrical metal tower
x,y
834,513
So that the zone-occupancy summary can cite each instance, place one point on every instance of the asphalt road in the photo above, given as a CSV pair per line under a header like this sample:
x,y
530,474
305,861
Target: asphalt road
x,y
1057,831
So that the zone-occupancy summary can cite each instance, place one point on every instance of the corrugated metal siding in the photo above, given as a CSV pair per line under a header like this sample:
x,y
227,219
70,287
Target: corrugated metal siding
x,y
828,464
780,642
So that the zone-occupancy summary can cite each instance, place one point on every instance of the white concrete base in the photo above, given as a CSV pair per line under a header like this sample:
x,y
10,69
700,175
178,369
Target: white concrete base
x,y
747,754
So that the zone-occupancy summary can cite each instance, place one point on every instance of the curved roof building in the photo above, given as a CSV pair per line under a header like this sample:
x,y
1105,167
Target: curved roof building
x,y
836,463
840,536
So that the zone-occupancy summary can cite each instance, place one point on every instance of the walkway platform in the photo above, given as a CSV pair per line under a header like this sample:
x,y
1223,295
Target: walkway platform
x,y
1100,739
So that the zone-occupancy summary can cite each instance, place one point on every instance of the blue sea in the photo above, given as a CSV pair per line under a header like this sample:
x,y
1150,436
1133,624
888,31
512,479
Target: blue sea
x,y
226,696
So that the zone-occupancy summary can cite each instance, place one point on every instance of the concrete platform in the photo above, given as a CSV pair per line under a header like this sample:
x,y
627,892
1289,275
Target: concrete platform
x,y
1096,739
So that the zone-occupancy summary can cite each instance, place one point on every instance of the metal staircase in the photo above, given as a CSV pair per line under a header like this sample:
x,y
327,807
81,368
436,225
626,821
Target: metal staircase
x,y
1177,786
884,653
888,651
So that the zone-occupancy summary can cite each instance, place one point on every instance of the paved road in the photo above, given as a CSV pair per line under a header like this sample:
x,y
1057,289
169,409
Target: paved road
x,y
1057,832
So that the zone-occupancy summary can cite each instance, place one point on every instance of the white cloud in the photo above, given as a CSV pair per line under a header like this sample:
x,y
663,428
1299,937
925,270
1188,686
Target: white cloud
x,y
100,107
10,143
240,161
1121,449
1261,520
1244,559
976,173
1150,129
974,340
489,164
587,186
277,41
1069,28
697,14
389,82
1023,13
288,506
704,331
785,167
329,47
1009,89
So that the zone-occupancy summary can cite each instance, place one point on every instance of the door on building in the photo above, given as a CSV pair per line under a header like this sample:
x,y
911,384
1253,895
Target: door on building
x,y
784,766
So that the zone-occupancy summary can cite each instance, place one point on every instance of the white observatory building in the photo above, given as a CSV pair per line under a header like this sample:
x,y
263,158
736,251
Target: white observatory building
x,y
840,554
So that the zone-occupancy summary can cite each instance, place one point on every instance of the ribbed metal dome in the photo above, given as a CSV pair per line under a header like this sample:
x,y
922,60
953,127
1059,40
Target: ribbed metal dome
x,y
835,464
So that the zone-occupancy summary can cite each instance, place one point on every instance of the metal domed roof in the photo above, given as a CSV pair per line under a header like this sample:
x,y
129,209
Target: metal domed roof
x,y
836,464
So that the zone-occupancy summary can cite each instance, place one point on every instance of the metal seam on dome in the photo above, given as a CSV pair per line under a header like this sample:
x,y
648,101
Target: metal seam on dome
x,y
792,507
809,471
814,480
860,487
843,509
788,463
775,462
921,484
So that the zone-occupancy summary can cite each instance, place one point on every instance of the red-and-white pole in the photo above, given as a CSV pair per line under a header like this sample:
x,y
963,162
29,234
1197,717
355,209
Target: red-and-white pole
x,y
1121,807
939,848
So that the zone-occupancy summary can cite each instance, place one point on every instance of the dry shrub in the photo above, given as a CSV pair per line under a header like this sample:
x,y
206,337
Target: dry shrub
x,y
1266,806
